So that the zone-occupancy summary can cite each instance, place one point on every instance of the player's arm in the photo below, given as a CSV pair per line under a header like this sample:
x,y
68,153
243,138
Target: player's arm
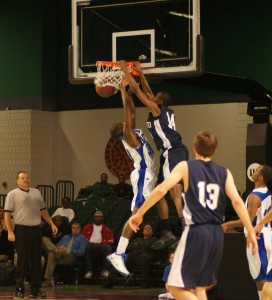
x,y
144,83
129,112
253,203
175,176
241,210
152,105
264,220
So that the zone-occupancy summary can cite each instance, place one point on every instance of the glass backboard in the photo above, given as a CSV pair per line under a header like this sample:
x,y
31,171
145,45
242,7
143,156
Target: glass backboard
x,y
164,35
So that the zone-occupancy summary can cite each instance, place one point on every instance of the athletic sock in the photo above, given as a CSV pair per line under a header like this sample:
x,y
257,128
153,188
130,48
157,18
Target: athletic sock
x,y
122,245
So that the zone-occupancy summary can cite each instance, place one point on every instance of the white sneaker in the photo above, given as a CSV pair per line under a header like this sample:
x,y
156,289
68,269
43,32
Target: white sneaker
x,y
169,296
105,273
117,260
163,296
88,274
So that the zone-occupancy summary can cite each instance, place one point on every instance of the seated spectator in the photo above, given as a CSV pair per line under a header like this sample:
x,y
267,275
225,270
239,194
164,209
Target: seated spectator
x,y
2,219
65,210
67,251
100,239
49,239
103,189
122,189
166,272
139,255
6,247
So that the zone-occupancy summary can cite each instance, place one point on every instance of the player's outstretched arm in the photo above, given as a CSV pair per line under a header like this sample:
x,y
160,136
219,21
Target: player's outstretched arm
x,y
241,210
252,205
268,218
129,113
145,85
152,105
175,176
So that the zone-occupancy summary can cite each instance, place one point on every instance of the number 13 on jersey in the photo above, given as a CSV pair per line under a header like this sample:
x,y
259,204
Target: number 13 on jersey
x,y
208,194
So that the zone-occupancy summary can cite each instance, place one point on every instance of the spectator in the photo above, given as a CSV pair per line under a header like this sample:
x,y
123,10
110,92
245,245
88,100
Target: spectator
x,y
2,219
100,239
6,247
103,188
122,189
139,255
49,239
65,210
67,250
166,272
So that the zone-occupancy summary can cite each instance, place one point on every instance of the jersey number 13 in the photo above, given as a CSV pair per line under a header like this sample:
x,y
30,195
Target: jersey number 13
x,y
212,190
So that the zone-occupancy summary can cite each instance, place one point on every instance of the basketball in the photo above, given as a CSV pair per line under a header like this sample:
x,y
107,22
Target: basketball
x,y
105,91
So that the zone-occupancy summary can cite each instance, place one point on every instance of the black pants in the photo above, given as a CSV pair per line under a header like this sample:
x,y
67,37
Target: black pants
x,y
141,261
28,244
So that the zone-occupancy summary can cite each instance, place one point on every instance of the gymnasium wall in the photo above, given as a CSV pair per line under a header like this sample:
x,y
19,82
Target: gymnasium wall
x,y
70,145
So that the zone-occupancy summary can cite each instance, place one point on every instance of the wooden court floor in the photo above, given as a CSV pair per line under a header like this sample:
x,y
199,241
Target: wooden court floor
x,y
89,292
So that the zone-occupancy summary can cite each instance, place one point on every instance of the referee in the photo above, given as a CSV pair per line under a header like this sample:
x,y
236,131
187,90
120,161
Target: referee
x,y
27,207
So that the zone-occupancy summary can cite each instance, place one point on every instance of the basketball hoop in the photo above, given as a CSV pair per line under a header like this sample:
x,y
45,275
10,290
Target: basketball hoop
x,y
110,74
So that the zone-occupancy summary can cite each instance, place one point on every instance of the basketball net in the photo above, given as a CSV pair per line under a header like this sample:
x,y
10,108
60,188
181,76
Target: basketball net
x,y
110,74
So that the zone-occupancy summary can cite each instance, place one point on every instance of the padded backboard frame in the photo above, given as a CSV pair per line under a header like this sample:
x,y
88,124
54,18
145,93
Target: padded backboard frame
x,y
157,61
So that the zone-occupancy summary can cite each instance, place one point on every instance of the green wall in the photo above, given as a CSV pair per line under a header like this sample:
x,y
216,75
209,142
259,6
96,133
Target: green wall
x,y
20,49
238,39
35,36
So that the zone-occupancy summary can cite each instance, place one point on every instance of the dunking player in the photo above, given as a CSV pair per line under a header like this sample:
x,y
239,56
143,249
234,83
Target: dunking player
x,y
142,177
258,204
206,186
161,125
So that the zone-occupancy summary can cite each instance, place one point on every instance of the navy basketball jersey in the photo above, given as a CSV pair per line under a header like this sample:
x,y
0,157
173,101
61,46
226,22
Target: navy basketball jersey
x,y
163,129
205,198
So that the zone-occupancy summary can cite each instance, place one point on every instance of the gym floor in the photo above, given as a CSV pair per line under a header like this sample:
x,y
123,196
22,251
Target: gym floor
x,y
90,292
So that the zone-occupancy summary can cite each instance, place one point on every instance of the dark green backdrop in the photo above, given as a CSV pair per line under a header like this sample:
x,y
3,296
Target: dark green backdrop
x,y
35,36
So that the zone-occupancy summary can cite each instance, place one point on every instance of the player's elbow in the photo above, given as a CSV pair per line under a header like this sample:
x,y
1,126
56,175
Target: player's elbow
x,y
161,190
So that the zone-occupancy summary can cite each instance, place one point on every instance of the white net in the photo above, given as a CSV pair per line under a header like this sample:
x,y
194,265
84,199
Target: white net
x,y
109,74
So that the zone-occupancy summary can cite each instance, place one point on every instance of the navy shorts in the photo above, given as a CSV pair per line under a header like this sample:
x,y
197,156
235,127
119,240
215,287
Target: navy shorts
x,y
169,159
197,257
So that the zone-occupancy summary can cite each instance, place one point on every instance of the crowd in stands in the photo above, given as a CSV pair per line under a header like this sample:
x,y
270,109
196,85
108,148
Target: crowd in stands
x,y
89,243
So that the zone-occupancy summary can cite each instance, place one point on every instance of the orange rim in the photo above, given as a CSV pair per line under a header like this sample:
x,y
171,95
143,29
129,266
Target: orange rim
x,y
115,64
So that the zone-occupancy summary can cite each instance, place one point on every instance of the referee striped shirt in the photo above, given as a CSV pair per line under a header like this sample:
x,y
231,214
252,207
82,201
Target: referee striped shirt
x,y
25,206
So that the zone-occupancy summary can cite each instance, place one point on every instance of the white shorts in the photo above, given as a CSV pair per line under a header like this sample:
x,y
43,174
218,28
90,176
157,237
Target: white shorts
x,y
260,265
143,182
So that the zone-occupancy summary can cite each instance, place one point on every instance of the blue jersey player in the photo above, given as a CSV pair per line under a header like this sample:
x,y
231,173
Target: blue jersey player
x,y
206,186
142,177
267,287
258,204
162,127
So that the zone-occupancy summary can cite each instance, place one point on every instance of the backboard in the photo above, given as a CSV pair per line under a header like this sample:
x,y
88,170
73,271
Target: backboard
x,y
164,35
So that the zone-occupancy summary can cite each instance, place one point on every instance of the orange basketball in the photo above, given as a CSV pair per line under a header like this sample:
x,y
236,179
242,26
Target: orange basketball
x,y
105,91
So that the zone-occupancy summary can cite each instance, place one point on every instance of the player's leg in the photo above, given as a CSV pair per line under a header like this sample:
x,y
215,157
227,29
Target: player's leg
x,y
182,293
167,237
267,291
118,258
258,263
259,286
176,197
200,293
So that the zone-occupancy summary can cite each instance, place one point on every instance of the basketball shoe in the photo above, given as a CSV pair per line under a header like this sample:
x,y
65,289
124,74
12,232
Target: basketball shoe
x,y
118,261
167,238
